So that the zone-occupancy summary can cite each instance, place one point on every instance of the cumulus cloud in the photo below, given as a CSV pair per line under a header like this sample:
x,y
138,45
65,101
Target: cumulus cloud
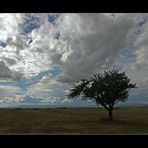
x,y
11,99
6,73
46,88
141,46
51,100
79,50
93,43
46,79
78,44
17,53
138,68
9,25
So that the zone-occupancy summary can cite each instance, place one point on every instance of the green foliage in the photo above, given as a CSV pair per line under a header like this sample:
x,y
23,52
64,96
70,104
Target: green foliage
x,y
106,89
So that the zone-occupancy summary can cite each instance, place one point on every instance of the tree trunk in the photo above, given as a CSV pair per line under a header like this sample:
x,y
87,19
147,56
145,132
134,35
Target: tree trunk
x,y
110,117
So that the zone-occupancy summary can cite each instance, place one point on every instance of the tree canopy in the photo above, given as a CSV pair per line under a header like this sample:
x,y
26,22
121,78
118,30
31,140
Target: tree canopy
x,y
106,89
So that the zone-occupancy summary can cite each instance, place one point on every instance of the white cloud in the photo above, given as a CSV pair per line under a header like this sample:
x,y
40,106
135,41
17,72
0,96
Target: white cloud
x,y
86,44
10,94
9,24
9,88
46,79
93,42
48,90
11,99
5,72
6,90
141,46
66,100
44,88
138,68
51,100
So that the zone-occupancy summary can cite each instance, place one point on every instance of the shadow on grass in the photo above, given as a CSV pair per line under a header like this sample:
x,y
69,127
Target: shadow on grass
x,y
117,121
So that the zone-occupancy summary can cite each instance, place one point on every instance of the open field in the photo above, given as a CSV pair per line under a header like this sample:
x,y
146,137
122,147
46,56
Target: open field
x,y
73,121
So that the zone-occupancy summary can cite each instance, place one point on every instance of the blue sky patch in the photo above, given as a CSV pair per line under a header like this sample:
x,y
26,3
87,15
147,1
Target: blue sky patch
x,y
55,71
3,44
30,23
52,18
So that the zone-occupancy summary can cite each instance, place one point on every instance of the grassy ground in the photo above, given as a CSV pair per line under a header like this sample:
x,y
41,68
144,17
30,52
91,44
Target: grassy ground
x,y
73,121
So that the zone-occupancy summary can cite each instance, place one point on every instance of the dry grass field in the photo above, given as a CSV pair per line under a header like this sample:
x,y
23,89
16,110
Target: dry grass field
x,y
73,121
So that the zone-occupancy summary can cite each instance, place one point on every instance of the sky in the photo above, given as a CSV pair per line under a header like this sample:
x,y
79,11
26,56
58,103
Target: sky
x,y
43,54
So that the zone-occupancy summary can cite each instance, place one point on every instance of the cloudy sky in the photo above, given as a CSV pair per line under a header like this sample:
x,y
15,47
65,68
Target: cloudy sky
x,y
43,54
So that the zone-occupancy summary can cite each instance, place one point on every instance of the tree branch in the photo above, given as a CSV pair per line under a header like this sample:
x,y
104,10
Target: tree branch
x,y
103,105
